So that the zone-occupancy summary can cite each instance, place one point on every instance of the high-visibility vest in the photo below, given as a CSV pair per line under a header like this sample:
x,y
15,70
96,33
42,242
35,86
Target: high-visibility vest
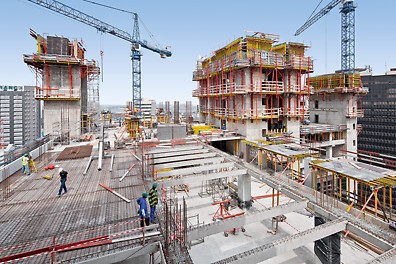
x,y
25,161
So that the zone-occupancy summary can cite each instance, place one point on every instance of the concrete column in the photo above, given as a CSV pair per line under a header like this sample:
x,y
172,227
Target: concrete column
x,y
245,190
329,149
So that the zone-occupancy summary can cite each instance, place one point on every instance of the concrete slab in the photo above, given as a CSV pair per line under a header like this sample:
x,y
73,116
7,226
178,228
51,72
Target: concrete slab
x,y
196,179
189,163
195,170
356,170
183,158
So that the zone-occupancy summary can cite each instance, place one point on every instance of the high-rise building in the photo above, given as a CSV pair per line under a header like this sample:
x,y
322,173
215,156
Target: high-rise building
x,y
19,115
254,86
379,122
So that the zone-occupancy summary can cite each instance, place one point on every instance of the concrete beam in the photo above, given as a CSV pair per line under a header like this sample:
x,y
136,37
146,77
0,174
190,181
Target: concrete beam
x,y
176,149
194,170
286,244
243,220
385,258
188,163
181,158
125,254
192,180
180,153
363,234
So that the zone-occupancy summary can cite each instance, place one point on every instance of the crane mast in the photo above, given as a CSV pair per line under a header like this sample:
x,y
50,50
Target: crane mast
x,y
136,43
347,31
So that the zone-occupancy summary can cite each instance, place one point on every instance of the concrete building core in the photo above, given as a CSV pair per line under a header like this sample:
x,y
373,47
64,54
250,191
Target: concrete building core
x,y
254,87
65,75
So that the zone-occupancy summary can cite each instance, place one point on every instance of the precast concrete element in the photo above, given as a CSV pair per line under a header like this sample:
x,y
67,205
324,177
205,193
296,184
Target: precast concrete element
x,y
243,220
197,179
385,258
180,153
286,244
188,163
181,158
194,170
169,150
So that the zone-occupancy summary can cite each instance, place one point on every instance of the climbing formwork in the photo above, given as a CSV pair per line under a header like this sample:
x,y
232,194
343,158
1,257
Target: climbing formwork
x,y
251,81
62,79
335,106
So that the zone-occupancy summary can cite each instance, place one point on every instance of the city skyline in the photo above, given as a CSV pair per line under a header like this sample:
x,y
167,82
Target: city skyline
x,y
192,30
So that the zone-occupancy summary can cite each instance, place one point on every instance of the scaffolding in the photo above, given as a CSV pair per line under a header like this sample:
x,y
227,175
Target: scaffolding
x,y
363,186
338,83
252,79
64,75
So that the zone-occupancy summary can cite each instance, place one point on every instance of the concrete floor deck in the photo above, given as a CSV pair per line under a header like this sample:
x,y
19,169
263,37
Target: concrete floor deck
x,y
34,217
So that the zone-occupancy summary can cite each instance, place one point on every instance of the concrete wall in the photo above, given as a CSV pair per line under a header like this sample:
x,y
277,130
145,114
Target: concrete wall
x,y
16,165
333,110
59,78
62,117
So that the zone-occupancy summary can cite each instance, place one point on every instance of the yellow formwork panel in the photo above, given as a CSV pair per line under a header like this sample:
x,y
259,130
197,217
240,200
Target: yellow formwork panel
x,y
281,48
296,48
258,43
229,49
198,128
336,81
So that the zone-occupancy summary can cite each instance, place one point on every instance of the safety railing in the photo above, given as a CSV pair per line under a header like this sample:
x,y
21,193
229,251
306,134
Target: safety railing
x,y
57,93
355,113
266,58
322,128
293,112
269,86
296,88
299,62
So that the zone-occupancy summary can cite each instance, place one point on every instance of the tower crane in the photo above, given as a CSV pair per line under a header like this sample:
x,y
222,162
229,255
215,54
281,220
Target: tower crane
x,y
347,31
136,43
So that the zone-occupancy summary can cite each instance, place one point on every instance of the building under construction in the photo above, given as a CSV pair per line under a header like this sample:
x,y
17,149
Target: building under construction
x,y
254,86
287,191
67,83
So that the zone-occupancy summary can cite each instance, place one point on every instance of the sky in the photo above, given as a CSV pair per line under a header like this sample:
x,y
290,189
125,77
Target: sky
x,y
191,29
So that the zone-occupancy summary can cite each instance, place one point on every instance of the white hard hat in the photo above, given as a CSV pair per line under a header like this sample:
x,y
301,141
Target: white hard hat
x,y
60,169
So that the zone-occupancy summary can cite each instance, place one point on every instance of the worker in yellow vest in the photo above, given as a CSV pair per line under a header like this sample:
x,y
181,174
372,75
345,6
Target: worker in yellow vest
x,y
25,164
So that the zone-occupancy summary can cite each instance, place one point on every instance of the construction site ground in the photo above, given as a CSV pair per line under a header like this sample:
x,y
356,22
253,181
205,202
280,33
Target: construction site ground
x,y
33,217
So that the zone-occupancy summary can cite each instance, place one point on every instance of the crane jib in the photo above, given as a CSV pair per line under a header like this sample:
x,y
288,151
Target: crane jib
x,y
75,14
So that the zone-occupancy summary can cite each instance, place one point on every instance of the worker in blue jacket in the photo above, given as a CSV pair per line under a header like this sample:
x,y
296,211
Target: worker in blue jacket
x,y
143,210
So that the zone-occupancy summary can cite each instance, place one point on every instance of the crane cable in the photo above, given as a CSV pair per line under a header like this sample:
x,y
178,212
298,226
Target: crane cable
x,y
129,12
316,8
115,8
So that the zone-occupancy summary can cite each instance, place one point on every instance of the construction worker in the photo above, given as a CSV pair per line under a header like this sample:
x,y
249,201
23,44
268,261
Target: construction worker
x,y
25,164
153,201
143,212
63,179
31,163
